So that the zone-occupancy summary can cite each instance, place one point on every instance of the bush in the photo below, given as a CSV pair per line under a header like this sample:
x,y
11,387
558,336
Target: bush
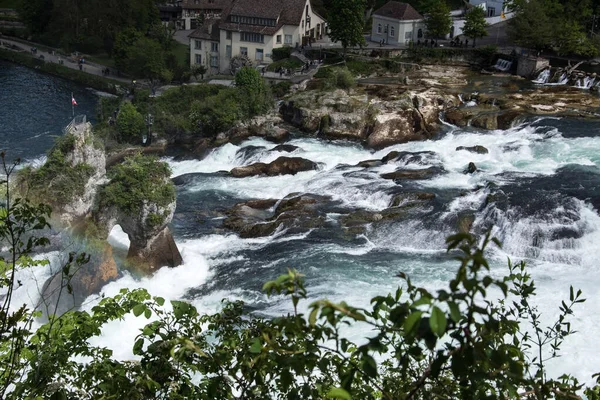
x,y
280,89
217,113
130,123
361,67
287,63
56,181
281,53
137,180
341,78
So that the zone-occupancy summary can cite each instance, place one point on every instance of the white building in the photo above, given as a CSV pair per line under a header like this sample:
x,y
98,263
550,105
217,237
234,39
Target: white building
x,y
192,10
253,28
397,24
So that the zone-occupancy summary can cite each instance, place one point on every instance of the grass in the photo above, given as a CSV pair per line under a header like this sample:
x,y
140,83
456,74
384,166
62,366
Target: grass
x,y
182,52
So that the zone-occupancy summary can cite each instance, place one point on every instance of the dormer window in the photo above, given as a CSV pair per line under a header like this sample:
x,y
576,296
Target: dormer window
x,y
238,19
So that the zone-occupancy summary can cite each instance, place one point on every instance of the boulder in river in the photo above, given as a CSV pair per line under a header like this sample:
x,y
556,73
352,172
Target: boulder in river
x,y
471,168
281,166
474,149
413,174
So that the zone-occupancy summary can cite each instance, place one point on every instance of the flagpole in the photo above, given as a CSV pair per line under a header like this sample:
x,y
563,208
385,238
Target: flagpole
x,y
72,106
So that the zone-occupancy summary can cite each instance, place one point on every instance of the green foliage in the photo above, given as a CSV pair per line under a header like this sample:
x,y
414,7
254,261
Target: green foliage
x,y
199,70
280,89
343,79
346,22
130,123
532,27
57,181
438,21
361,67
137,181
146,59
572,40
248,78
286,63
486,55
217,113
475,24
281,53
254,93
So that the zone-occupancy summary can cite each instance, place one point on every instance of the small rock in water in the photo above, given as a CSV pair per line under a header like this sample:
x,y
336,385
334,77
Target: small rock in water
x,y
474,149
472,168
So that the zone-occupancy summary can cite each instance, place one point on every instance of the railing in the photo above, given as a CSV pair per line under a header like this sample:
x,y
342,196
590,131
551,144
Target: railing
x,y
75,123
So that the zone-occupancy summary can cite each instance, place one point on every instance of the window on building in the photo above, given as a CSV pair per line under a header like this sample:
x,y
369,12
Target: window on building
x,y
244,51
491,12
259,54
214,47
420,33
278,39
198,59
197,44
228,51
228,35
302,24
378,28
214,61
238,19
392,31
288,39
252,37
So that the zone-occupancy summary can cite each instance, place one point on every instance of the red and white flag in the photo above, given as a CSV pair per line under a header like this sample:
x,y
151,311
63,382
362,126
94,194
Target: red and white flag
x,y
73,102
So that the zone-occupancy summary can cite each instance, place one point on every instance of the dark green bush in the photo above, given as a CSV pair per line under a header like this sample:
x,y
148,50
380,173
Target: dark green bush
x,y
281,53
130,123
280,89
362,67
287,63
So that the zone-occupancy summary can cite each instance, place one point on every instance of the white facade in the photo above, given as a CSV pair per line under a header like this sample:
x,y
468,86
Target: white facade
x,y
493,8
257,47
205,52
397,32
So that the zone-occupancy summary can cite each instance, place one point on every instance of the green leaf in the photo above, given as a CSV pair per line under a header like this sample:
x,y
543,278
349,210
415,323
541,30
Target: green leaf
x,y
147,313
437,322
138,309
412,320
255,347
312,317
159,300
339,393
454,311
137,347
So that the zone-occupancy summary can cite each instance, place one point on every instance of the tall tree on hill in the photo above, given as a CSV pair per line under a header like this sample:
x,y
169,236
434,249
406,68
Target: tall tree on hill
x,y
438,21
475,24
346,22
532,27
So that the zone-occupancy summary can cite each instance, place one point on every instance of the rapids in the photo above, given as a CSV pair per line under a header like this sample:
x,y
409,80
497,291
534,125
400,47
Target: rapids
x,y
543,177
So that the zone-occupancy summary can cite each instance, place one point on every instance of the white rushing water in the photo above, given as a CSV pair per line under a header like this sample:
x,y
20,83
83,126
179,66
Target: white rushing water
x,y
410,246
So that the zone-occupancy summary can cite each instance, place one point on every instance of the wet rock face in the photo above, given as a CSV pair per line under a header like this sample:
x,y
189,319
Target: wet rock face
x,y
413,174
296,211
85,281
471,168
411,198
474,149
281,166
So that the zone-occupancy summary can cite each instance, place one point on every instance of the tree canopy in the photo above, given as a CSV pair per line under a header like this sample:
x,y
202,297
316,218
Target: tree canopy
x,y
438,21
475,24
346,22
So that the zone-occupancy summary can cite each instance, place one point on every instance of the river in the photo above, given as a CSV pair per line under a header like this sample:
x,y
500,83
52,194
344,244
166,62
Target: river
x,y
545,173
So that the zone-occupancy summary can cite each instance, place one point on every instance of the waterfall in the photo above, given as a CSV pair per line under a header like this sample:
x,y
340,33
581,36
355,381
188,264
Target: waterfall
x,y
586,83
503,65
563,79
543,77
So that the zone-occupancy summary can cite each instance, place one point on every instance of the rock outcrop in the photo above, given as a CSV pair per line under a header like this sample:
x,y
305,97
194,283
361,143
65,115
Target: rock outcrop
x,y
474,149
405,116
281,166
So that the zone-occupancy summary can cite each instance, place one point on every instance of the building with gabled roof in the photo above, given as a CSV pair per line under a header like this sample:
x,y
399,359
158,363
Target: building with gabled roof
x,y
397,23
253,28
192,10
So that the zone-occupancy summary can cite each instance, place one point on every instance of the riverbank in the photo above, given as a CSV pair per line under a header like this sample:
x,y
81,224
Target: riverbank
x,y
84,78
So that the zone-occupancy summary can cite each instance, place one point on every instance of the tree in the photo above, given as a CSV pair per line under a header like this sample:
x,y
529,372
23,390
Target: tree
x,y
199,70
439,21
346,22
146,60
572,40
475,24
253,90
130,123
532,27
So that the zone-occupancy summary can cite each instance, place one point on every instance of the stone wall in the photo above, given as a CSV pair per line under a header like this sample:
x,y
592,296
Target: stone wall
x,y
528,66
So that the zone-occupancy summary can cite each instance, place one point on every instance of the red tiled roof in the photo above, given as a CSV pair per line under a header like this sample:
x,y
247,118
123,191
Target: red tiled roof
x,y
397,10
